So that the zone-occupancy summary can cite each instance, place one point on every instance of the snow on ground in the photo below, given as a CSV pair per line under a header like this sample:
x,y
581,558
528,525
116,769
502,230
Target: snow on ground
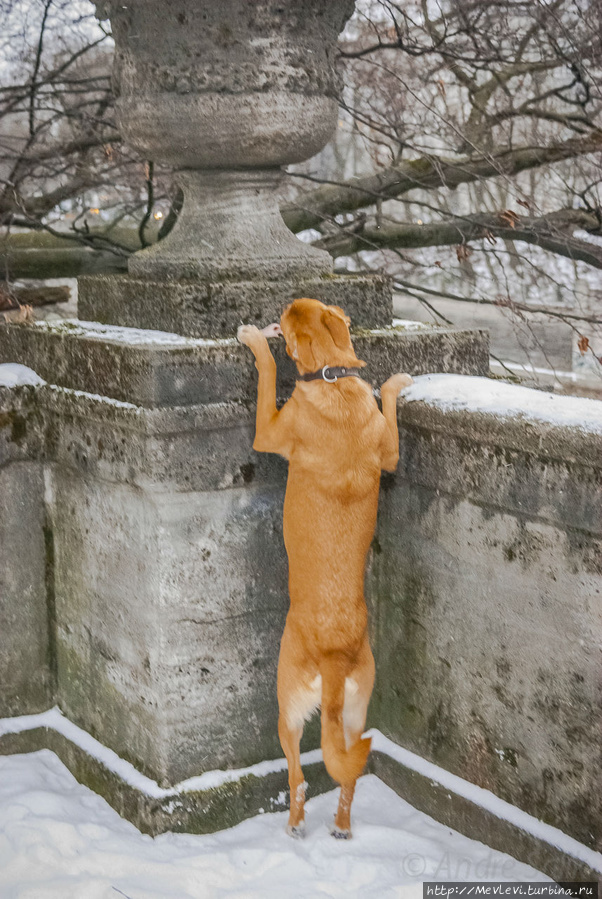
x,y
59,840
458,392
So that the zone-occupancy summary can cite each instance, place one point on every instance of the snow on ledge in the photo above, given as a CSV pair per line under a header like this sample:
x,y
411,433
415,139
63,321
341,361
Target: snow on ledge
x,y
55,720
463,392
409,324
486,800
129,336
12,374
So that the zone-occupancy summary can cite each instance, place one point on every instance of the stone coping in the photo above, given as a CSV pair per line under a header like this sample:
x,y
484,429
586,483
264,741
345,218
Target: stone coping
x,y
509,427
527,469
156,369
216,800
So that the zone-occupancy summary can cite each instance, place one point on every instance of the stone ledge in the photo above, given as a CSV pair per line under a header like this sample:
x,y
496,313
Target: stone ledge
x,y
518,465
183,449
546,439
186,811
478,823
219,807
157,369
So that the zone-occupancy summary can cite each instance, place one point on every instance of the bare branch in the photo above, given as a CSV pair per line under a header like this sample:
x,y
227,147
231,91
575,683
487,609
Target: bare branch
x,y
551,232
311,208
36,69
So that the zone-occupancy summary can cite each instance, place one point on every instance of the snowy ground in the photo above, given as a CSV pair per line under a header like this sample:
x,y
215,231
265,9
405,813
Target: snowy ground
x,y
59,840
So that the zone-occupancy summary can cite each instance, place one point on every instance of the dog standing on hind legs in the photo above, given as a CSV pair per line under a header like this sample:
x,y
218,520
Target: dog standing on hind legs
x,y
336,441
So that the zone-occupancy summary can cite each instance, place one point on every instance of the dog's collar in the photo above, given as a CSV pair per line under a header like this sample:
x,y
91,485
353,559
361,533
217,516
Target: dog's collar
x,y
330,373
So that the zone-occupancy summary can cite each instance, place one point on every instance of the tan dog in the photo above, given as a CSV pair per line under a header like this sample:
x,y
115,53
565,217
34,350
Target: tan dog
x,y
336,441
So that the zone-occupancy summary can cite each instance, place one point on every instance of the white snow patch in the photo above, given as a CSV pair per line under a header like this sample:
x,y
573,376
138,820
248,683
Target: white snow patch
x,y
463,392
411,325
58,840
402,324
12,374
68,391
130,336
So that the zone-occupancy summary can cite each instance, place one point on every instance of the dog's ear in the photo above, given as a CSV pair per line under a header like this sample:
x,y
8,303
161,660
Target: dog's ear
x,y
302,351
337,323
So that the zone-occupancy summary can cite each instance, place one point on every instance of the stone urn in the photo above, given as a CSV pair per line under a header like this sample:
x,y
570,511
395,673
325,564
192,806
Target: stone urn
x,y
227,93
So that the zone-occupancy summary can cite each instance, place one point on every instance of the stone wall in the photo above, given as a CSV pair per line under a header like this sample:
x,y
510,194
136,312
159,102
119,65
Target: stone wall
x,y
170,580
168,594
143,586
487,589
26,606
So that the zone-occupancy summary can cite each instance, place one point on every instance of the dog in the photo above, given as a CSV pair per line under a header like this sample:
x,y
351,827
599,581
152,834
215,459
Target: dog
x,y
336,441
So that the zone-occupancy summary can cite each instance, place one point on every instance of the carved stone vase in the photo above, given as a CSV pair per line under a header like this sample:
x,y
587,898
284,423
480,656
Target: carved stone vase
x,y
227,93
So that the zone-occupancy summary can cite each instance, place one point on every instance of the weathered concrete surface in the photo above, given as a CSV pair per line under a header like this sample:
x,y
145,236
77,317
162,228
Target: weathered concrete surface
x,y
133,366
169,611
214,308
488,589
26,662
170,587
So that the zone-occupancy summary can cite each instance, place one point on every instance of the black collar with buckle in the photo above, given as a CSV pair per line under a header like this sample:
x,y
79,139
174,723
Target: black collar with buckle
x,y
330,373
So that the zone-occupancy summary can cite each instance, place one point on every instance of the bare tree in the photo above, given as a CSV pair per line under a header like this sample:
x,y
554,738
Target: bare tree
x,y
63,167
479,172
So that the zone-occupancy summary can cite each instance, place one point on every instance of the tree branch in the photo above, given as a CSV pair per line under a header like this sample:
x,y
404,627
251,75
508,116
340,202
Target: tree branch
x,y
551,232
311,208
36,69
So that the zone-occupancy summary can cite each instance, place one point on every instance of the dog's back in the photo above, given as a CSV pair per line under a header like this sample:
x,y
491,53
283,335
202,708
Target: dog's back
x,y
336,441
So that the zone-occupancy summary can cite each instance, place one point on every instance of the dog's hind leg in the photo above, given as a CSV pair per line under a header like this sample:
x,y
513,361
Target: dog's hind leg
x,y
298,696
358,688
290,739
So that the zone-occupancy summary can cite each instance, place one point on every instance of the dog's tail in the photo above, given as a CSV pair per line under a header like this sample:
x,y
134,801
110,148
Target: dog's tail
x,y
342,763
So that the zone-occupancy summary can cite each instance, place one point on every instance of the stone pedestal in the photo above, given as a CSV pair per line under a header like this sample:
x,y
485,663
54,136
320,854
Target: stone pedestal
x,y
170,582
198,308
230,228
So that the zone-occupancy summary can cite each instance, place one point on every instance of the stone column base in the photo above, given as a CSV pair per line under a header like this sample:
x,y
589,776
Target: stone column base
x,y
216,309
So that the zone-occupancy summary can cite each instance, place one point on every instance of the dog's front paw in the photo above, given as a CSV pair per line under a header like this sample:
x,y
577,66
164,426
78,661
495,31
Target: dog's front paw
x,y
249,335
273,330
396,383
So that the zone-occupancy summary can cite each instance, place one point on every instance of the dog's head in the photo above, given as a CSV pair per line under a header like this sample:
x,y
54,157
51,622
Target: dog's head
x,y
317,335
